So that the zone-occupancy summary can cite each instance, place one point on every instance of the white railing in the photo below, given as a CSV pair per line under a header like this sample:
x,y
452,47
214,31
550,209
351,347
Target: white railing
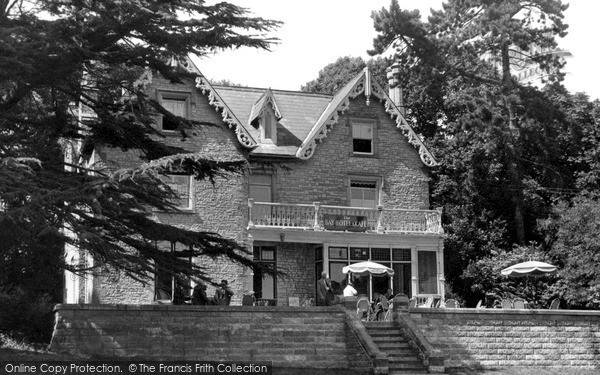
x,y
339,218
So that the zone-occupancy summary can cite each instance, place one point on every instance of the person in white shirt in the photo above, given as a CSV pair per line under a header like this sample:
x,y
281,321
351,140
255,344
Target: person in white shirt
x,y
349,290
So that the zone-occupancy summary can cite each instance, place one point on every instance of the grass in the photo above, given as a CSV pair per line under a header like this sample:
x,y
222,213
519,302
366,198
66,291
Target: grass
x,y
11,349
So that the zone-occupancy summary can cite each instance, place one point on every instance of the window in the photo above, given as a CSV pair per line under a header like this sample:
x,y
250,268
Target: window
x,y
264,285
338,252
359,253
182,185
427,272
259,187
268,126
168,286
401,255
175,102
382,254
362,138
363,193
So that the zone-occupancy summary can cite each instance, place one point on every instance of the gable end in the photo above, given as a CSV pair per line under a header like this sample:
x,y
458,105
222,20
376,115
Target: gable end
x,y
363,83
229,118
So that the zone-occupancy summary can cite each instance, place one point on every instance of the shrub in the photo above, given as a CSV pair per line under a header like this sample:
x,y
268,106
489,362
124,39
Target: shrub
x,y
26,316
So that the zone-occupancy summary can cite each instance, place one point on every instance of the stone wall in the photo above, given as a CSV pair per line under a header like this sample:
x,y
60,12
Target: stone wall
x,y
297,261
290,338
219,206
513,338
324,177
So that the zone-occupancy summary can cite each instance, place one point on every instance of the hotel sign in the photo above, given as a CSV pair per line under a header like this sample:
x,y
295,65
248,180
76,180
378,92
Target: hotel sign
x,y
352,223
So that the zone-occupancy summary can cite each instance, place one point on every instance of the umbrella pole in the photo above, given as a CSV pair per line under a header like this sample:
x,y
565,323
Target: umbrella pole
x,y
370,287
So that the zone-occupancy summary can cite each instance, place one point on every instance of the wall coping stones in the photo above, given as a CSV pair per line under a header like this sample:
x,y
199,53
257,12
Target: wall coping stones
x,y
439,313
199,308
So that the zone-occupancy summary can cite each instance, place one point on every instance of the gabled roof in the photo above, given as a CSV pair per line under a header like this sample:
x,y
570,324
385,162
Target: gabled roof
x,y
363,83
242,132
299,111
304,119
258,108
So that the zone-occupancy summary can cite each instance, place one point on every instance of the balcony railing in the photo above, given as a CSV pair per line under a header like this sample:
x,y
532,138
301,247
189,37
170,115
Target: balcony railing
x,y
338,218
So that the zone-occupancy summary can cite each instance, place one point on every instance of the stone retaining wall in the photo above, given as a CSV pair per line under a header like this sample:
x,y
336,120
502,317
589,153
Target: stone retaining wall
x,y
504,338
315,338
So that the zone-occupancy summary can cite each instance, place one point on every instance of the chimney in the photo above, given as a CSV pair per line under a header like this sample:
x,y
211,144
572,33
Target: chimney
x,y
395,91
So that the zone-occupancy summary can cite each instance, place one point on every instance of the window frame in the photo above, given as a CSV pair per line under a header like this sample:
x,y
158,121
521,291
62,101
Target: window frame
x,y
364,121
163,95
160,273
257,251
268,125
190,206
377,180
263,184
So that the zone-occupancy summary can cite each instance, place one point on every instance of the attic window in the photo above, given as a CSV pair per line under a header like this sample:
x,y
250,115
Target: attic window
x,y
268,126
362,138
177,103
265,114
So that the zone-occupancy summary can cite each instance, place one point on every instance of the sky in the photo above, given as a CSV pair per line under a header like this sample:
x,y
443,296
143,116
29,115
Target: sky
x,y
317,32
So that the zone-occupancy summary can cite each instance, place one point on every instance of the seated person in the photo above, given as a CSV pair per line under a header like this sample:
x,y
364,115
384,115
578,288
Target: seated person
x,y
223,294
349,290
199,296
389,294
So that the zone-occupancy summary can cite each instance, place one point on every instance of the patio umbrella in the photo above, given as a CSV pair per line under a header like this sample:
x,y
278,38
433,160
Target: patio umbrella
x,y
369,268
530,268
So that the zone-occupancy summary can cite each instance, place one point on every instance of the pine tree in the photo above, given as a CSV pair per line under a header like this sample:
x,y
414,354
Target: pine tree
x,y
499,142
57,55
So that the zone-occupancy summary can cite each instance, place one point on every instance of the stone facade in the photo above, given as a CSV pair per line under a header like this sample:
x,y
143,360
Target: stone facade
x,y
292,340
222,206
512,338
324,177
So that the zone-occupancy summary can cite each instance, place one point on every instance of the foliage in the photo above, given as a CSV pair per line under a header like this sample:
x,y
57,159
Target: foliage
x,y
574,232
336,75
506,149
26,316
225,82
489,283
57,56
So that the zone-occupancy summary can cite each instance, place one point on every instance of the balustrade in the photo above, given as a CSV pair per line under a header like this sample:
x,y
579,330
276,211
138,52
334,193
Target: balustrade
x,y
339,218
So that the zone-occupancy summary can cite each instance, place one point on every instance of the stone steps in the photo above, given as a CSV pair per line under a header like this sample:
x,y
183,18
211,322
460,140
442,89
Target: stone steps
x,y
402,359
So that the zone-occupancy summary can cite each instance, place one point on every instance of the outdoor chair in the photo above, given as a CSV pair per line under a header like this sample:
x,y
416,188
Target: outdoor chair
x,y
428,302
303,301
519,303
400,301
506,304
452,304
412,303
555,305
363,309
479,305
248,300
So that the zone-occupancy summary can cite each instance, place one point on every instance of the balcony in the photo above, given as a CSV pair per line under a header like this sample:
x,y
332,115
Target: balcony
x,y
319,217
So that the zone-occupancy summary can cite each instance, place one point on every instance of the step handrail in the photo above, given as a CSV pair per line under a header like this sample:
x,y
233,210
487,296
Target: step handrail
x,y
433,358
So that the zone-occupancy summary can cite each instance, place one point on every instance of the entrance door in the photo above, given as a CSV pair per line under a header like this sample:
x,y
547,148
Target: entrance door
x,y
402,278
265,286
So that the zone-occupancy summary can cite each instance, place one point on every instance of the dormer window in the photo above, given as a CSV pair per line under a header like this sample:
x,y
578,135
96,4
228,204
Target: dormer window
x,y
268,126
265,115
